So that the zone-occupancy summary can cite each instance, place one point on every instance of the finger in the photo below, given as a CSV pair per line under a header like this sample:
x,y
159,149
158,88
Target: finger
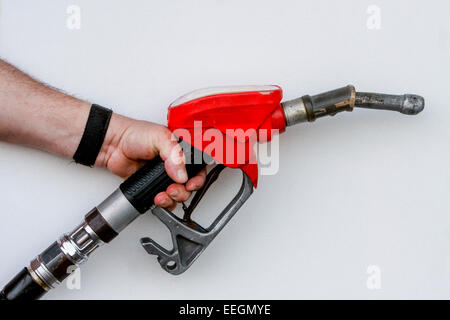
x,y
178,192
196,182
171,208
172,154
162,199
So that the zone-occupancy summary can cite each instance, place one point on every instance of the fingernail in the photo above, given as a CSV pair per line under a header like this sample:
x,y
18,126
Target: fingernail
x,y
181,174
174,193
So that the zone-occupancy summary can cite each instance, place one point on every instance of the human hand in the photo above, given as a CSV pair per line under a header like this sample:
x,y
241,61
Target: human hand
x,y
130,143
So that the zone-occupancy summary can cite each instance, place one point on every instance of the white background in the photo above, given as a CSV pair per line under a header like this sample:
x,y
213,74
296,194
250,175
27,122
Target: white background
x,y
363,188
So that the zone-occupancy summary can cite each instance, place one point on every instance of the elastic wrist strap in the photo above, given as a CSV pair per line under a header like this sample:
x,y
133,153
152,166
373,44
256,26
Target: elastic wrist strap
x,y
93,136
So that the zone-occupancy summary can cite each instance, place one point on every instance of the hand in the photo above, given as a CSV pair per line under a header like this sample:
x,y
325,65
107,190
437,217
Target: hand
x,y
129,143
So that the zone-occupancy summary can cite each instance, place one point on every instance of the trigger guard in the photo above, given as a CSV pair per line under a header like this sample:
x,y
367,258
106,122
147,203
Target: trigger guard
x,y
189,239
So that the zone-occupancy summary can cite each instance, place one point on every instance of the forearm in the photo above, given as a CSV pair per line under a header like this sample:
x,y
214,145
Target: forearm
x,y
35,115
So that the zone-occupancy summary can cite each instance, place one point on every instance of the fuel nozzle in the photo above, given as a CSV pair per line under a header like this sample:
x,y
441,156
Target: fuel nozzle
x,y
309,108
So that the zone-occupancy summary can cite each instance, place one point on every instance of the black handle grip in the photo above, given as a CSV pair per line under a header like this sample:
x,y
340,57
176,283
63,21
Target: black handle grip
x,y
142,187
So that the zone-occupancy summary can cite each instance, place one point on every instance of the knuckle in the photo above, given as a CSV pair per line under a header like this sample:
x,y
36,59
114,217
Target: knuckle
x,y
166,134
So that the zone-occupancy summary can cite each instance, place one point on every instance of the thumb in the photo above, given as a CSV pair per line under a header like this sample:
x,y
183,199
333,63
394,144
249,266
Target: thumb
x,y
171,153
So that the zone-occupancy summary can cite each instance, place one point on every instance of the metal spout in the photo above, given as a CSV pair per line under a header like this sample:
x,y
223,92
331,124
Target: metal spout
x,y
409,104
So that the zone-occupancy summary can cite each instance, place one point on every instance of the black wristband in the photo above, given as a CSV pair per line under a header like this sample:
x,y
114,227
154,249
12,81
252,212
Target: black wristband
x,y
93,136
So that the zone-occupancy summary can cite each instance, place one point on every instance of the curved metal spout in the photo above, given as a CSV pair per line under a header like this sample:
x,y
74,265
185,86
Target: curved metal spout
x,y
409,104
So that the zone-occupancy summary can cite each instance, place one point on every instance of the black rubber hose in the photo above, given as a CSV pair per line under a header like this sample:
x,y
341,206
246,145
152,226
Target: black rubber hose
x,y
22,287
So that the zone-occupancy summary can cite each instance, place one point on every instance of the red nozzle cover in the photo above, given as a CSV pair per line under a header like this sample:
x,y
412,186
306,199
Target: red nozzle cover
x,y
237,116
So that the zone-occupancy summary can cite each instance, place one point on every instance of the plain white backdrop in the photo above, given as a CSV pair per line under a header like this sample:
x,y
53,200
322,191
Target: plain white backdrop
x,y
358,190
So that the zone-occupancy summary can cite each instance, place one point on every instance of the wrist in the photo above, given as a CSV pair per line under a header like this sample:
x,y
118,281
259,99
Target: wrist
x,y
117,126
